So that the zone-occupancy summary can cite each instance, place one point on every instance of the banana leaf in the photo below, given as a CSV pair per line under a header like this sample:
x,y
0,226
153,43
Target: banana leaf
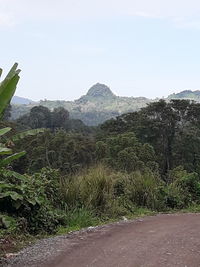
x,y
4,150
27,133
8,87
4,130
9,173
9,159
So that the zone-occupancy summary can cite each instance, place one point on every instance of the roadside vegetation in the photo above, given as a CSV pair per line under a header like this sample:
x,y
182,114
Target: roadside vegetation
x,y
59,175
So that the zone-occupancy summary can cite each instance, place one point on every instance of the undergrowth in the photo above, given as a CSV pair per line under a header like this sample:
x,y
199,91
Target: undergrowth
x,y
48,203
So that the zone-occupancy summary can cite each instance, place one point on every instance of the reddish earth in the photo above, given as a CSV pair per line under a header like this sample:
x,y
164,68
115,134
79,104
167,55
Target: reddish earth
x,y
163,240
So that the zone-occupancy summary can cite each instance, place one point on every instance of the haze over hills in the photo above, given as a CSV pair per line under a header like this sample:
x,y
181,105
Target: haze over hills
x,y
186,94
98,105
17,100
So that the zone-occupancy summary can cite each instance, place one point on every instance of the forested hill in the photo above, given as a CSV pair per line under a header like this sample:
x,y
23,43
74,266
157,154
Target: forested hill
x,y
99,104
186,94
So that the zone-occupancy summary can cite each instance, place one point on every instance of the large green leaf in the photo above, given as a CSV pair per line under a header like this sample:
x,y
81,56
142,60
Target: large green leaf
x,y
13,72
8,222
7,94
9,159
4,150
8,87
12,194
27,133
9,173
4,186
4,130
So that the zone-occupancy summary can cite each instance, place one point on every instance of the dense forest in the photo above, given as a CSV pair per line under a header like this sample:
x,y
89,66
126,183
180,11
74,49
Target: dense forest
x,y
57,173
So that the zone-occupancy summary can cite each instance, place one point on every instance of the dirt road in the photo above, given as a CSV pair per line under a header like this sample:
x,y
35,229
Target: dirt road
x,y
162,240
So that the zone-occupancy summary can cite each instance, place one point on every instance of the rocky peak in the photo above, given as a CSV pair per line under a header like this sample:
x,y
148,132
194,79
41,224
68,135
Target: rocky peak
x,y
100,90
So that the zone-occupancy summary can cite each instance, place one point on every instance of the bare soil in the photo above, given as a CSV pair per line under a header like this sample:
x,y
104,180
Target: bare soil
x,y
162,240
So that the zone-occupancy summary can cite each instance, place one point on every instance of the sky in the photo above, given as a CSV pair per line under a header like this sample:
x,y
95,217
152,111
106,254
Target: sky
x,y
145,48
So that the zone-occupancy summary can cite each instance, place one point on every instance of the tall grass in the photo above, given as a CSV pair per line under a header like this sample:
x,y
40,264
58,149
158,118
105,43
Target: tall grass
x,y
143,189
112,193
92,188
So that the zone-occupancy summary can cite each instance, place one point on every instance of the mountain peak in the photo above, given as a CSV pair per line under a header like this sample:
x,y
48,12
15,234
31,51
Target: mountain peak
x,y
100,90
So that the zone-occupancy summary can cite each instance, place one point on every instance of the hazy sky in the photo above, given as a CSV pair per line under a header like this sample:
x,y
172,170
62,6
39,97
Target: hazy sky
x,y
138,48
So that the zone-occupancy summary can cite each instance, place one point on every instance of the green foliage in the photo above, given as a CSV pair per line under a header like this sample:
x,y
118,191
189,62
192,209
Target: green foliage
x,y
172,128
35,199
7,223
184,186
81,217
7,90
108,192
22,135
125,152
8,87
92,189
116,193
142,189
60,150
40,116
60,117
4,162
74,180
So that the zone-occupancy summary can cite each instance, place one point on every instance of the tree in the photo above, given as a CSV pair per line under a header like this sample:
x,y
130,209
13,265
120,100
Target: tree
x,y
40,117
59,118
160,124
125,152
67,152
7,112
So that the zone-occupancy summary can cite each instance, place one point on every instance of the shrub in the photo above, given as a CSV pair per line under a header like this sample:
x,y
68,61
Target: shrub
x,y
184,188
37,199
143,189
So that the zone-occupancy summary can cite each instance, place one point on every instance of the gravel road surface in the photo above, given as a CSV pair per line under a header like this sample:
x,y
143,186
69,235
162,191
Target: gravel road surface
x,y
158,241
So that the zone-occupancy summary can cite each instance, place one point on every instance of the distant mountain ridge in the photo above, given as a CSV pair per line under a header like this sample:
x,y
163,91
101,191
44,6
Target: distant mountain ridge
x,y
186,94
17,100
98,105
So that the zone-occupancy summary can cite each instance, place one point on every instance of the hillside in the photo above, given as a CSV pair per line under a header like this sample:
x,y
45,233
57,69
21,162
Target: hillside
x,y
186,94
98,105
17,100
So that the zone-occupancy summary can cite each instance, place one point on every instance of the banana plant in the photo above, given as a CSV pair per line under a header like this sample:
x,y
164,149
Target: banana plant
x,y
10,189
7,90
8,87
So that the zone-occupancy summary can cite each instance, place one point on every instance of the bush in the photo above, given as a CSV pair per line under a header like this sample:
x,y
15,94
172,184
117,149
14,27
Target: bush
x,y
183,188
36,199
143,189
